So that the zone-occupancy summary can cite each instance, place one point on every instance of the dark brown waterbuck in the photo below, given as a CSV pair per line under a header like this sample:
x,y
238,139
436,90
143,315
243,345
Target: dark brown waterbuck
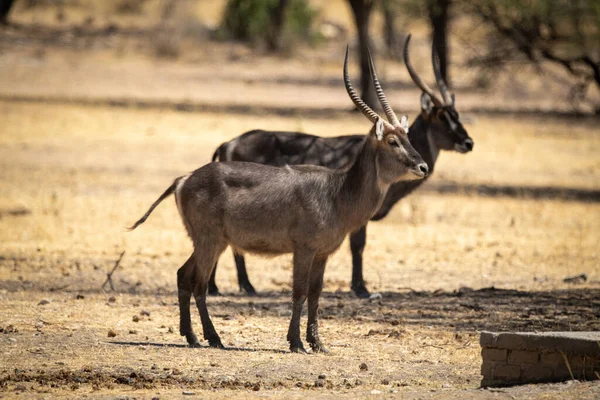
x,y
305,210
437,128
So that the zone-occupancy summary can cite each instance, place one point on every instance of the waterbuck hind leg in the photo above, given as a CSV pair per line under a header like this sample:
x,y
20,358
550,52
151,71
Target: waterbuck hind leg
x,y
243,281
185,286
358,241
205,259
213,290
302,262
314,292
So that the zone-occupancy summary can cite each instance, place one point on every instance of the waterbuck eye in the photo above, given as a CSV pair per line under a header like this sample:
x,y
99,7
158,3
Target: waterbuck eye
x,y
393,142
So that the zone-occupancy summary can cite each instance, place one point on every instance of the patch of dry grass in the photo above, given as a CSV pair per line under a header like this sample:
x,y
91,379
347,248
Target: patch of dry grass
x,y
86,173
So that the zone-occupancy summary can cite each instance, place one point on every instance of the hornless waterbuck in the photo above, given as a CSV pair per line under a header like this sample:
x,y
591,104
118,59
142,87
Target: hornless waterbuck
x,y
437,128
305,210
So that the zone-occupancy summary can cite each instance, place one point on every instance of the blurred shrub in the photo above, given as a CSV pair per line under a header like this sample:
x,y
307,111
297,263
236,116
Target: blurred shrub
x,y
167,44
565,33
47,3
179,27
130,6
274,23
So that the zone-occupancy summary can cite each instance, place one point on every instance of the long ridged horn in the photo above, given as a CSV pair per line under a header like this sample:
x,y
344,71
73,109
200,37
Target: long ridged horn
x,y
435,59
391,116
358,102
415,77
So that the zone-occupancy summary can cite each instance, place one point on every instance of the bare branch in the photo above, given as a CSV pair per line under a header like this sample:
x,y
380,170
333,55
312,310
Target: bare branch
x,y
109,274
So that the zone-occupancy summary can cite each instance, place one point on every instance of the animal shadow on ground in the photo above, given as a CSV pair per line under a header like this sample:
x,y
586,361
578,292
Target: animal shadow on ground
x,y
182,345
465,309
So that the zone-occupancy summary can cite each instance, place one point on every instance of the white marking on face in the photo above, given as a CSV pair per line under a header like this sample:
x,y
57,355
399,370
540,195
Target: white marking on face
x,y
403,150
410,176
379,129
451,122
400,147
460,148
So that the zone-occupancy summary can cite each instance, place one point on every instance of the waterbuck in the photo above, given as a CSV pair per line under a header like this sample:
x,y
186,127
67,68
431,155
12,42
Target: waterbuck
x,y
305,210
437,128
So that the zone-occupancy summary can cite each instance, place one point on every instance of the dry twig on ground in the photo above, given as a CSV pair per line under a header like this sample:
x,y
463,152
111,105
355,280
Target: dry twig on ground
x,y
109,274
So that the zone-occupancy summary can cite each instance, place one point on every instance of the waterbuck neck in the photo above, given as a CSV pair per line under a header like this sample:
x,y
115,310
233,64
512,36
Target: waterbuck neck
x,y
422,140
362,191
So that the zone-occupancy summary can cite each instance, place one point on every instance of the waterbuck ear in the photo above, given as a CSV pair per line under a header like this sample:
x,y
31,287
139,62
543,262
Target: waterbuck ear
x,y
404,123
379,129
426,103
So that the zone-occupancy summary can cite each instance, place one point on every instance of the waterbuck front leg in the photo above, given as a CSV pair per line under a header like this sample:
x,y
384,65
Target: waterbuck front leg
x,y
185,285
303,260
358,241
314,292
243,281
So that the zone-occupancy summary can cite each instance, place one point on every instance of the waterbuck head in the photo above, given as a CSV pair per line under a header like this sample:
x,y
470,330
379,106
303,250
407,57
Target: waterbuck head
x,y
396,158
446,129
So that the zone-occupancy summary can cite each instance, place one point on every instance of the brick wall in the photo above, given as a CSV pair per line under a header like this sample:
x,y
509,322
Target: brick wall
x,y
519,357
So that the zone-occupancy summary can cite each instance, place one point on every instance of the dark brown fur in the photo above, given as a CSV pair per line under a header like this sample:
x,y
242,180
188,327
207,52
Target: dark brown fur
x,y
304,210
434,130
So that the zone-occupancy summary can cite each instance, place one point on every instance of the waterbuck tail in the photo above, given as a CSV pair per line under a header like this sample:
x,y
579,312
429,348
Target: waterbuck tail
x,y
163,196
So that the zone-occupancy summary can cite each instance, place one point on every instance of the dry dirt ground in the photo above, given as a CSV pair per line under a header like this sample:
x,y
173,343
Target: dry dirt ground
x,y
448,264
484,245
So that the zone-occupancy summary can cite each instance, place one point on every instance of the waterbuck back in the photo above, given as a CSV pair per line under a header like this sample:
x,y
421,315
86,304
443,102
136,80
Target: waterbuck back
x,y
304,210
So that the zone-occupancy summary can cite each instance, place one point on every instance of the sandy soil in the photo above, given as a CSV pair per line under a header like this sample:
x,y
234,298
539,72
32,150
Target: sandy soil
x,y
447,265
484,245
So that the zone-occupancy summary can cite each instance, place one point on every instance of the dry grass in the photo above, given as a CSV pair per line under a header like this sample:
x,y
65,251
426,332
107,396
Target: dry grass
x,y
72,177
85,173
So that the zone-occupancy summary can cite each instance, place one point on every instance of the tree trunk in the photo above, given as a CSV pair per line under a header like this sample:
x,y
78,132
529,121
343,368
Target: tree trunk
x,y
439,18
362,13
5,6
390,35
277,20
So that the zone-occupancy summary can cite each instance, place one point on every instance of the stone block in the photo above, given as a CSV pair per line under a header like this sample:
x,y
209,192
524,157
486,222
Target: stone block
x,y
510,341
523,357
487,369
551,358
516,358
571,342
508,372
489,354
492,382
576,361
488,339
537,373
561,373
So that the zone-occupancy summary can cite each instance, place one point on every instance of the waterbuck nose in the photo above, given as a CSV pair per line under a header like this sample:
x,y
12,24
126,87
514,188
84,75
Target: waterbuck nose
x,y
468,143
423,168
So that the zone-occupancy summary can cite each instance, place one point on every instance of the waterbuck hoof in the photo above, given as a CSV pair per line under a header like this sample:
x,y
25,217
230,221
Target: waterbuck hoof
x,y
298,349
214,291
319,348
361,291
216,343
194,345
248,289
192,339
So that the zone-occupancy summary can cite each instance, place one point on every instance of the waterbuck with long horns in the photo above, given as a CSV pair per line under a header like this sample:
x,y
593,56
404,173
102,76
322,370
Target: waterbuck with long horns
x,y
304,210
437,128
